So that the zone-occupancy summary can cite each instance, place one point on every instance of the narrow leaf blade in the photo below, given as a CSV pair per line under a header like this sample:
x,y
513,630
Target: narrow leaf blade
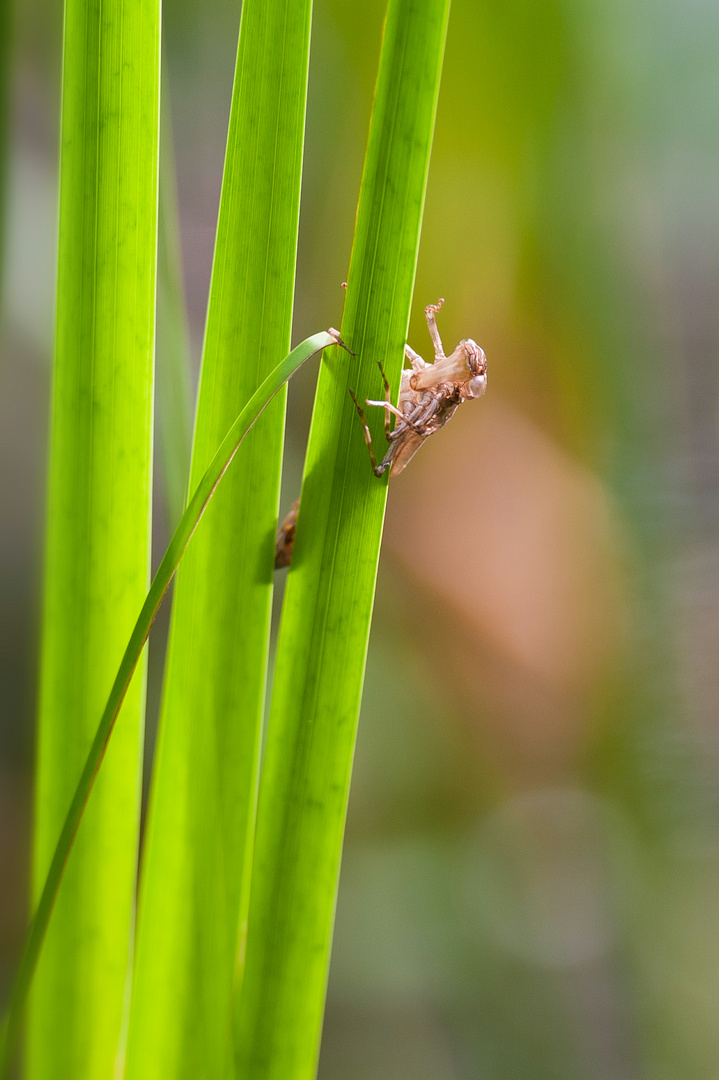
x,y
98,527
198,848
328,604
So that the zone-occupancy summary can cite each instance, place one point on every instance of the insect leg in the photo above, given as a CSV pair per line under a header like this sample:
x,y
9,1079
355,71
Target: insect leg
x,y
378,470
430,313
387,401
389,408
429,408
402,417
414,358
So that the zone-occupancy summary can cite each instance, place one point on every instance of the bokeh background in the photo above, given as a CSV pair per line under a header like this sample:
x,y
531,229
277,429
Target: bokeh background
x,y
530,885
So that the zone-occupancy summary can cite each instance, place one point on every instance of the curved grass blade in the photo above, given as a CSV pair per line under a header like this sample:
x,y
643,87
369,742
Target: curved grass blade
x,y
330,590
160,583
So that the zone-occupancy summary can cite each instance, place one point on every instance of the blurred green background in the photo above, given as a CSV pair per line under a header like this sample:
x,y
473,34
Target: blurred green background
x,y
530,885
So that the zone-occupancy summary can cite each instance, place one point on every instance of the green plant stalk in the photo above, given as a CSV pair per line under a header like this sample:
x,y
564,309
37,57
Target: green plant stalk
x,y
328,604
130,660
98,524
195,872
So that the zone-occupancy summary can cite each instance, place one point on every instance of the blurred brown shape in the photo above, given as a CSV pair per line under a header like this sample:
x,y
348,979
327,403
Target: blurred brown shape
x,y
285,540
514,548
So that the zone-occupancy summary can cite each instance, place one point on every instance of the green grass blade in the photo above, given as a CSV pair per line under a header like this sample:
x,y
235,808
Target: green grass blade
x,y
98,526
174,411
328,604
194,878
131,658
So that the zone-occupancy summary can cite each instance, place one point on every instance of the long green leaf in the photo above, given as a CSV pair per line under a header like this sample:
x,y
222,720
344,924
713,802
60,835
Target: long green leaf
x,y
194,879
131,658
98,526
328,605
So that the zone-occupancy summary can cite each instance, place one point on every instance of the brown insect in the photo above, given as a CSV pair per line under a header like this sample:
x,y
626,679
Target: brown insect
x,y
286,537
429,396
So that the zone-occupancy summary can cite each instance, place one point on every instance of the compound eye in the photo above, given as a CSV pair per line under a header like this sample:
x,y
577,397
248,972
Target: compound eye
x,y
477,386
